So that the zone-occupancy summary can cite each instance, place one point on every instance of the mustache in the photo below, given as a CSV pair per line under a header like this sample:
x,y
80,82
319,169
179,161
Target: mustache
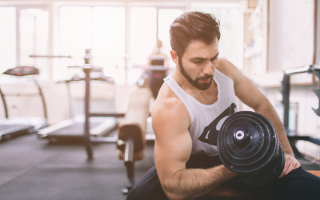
x,y
205,77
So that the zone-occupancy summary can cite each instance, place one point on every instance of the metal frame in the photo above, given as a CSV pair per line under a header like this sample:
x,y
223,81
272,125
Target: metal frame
x,y
4,103
36,94
87,69
285,101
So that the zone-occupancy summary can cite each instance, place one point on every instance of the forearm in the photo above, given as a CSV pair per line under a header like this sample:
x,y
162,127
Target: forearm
x,y
192,183
269,112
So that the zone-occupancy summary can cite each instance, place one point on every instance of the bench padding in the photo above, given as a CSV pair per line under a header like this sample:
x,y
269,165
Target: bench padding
x,y
134,123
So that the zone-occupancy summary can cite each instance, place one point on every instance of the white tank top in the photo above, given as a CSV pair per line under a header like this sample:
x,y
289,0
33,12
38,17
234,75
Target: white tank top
x,y
206,120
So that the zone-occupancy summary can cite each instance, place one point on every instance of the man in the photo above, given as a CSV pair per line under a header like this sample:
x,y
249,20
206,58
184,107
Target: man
x,y
187,116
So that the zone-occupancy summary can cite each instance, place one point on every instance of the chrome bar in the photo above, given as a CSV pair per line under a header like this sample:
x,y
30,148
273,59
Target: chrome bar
x,y
50,56
308,69
106,114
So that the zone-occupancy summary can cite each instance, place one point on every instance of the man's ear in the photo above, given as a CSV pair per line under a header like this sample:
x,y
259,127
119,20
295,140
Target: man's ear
x,y
174,57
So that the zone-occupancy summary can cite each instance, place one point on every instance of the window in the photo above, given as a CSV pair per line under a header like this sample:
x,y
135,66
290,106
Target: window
x,y
143,33
166,17
24,31
149,24
101,29
8,54
121,36
230,16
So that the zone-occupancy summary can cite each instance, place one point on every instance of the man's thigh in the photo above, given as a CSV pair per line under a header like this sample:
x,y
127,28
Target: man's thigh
x,y
298,184
148,187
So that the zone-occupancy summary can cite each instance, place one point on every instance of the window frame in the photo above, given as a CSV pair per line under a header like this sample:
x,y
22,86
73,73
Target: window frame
x,y
53,8
18,9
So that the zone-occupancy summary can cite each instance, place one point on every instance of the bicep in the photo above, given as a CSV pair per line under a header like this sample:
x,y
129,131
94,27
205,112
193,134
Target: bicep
x,y
172,154
173,142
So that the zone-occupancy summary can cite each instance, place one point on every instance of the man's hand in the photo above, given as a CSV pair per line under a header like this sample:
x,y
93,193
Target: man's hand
x,y
291,163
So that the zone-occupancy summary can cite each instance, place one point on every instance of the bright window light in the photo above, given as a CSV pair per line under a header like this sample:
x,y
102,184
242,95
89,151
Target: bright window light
x,y
231,27
109,41
109,36
166,17
143,33
75,30
101,29
8,38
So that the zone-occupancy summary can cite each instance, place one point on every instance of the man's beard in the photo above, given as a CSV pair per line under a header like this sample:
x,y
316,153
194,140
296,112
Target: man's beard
x,y
196,83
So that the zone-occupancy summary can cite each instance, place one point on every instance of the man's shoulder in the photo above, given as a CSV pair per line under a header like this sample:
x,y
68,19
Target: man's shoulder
x,y
169,115
166,99
168,104
227,68
224,66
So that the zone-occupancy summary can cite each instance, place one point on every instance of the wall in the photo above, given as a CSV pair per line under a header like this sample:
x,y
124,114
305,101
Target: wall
x,y
291,30
291,45
307,122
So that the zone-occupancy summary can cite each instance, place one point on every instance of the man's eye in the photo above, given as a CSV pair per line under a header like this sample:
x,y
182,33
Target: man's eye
x,y
213,59
198,61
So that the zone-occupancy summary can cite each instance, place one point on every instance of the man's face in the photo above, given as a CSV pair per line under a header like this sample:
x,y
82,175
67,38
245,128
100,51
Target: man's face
x,y
199,62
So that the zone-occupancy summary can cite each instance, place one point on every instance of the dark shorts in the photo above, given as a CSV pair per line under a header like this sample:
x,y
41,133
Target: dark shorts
x,y
298,184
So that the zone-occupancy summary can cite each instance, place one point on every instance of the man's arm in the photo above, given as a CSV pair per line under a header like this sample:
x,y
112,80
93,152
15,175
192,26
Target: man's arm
x,y
249,94
170,121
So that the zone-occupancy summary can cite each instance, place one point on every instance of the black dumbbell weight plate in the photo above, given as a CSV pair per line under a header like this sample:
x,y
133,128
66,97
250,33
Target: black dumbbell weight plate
x,y
248,145
272,171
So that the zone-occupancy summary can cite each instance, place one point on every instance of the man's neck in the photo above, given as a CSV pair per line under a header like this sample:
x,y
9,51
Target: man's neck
x,y
181,80
185,84
208,96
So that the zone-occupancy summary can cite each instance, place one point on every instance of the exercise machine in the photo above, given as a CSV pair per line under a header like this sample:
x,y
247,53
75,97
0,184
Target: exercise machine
x,y
292,134
133,131
74,129
10,127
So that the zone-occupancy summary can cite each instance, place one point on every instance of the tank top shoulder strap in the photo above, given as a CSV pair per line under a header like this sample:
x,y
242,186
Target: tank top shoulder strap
x,y
181,94
222,76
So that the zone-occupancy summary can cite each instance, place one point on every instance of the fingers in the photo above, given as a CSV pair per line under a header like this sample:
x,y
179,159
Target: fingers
x,y
291,164
286,166
291,167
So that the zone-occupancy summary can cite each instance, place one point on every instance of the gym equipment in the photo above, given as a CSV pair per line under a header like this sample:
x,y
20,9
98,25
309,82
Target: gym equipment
x,y
132,138
73,129
11,127
292,134
154,73
248,145
132,133
84,128
132,130
157,72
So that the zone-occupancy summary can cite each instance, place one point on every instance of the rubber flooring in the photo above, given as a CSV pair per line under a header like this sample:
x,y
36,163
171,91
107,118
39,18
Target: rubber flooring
x,y
32,169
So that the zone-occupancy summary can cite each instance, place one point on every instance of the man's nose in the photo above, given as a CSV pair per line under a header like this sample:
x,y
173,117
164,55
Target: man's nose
x,y
209,68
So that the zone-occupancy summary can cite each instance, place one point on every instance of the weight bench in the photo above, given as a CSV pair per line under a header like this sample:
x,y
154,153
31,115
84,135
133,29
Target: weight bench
x,y
132,129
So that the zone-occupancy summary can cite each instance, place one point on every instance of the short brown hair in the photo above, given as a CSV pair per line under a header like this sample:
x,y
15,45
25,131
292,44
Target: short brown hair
x,y
193,26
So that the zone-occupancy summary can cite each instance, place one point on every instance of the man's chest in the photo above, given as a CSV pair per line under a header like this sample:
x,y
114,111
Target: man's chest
x,y
208,97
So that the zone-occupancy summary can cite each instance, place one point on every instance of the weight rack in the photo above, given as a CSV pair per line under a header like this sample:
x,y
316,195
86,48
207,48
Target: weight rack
x,y
286,86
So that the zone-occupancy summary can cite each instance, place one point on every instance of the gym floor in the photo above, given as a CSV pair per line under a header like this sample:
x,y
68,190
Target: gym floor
x,y
34,169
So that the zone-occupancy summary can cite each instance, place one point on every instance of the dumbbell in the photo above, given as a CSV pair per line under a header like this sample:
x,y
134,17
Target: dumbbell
x,y
248,145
